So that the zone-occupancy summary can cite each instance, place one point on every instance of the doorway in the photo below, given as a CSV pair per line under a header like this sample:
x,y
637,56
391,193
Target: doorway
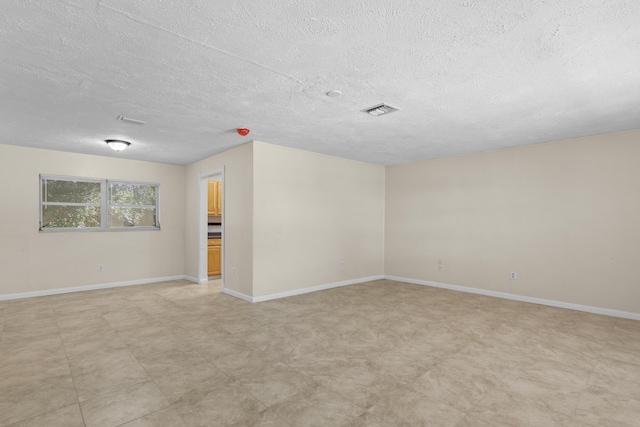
x,y
211,225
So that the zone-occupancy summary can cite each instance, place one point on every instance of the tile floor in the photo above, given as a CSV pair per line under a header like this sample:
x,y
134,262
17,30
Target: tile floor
x,y
377,354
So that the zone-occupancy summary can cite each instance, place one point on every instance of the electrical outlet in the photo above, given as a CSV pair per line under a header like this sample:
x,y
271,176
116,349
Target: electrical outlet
x,y
100,268
513,275
342,264
440,264
233,270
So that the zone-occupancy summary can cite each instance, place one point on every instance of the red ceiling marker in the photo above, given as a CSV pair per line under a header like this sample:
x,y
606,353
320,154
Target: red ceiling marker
x,y
243,131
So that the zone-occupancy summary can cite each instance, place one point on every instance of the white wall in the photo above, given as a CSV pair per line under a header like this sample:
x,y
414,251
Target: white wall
x,y
238,214
33,261
312,211
564,216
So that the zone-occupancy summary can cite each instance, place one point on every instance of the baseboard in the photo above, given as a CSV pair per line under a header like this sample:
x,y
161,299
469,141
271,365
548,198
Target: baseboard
x,y
90,287
237,294
268,297
191,279
301,291
522,298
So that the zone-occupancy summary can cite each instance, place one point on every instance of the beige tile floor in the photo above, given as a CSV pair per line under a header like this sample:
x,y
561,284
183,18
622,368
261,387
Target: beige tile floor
x,y
377,354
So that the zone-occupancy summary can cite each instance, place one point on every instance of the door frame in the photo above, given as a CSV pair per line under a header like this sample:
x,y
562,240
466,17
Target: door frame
x,y
218,175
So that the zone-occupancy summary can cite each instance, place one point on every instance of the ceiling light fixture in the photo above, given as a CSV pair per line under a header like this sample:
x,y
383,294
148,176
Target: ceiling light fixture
x,y
380,109
117,144
334,93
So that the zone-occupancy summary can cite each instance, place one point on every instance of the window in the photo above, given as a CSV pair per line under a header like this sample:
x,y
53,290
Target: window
x,y
132,205
70,203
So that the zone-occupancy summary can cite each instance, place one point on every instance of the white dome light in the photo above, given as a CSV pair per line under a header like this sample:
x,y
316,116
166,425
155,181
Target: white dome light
x,y
117,145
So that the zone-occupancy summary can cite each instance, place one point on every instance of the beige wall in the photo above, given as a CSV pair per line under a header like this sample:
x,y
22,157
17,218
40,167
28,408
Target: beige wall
x,y
290,217
238,214
564,216
310,212
34,261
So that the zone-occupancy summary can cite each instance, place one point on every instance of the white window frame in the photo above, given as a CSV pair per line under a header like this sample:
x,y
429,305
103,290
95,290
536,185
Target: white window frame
x,y
104,204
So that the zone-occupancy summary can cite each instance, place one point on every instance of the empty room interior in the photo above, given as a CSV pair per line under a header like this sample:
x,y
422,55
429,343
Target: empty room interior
x,y
335,213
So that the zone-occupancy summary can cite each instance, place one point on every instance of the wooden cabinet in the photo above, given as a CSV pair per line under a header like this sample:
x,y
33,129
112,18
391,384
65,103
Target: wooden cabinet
x,y
211,197
214,200
214,257
219,196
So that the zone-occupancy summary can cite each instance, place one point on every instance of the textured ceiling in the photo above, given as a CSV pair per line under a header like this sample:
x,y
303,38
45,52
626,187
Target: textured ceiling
x,y
468,76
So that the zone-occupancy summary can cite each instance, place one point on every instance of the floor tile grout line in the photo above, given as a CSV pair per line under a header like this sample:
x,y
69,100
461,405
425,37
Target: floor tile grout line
x,y
75,389
171,404
397,385
151,379
268,408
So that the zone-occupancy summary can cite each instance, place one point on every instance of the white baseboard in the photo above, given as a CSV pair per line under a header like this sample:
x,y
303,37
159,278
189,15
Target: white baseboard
x,y
314,289
48,292
515,297
268,297
237,294
191,279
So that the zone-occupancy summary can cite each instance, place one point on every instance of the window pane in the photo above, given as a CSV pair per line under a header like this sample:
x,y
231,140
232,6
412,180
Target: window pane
x,y
121,193
70,191
132,217
70,216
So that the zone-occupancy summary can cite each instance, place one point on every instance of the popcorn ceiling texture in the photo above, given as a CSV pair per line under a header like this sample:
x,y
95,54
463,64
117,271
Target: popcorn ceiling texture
x,y
468,76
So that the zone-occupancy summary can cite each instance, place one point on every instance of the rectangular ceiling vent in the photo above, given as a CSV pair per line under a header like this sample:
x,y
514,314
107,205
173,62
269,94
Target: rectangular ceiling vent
x,y
380,109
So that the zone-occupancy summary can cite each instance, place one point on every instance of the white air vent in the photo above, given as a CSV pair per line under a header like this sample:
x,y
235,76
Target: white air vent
x,y
380,109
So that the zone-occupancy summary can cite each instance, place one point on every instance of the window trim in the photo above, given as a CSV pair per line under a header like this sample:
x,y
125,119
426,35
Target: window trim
x,y
104,204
